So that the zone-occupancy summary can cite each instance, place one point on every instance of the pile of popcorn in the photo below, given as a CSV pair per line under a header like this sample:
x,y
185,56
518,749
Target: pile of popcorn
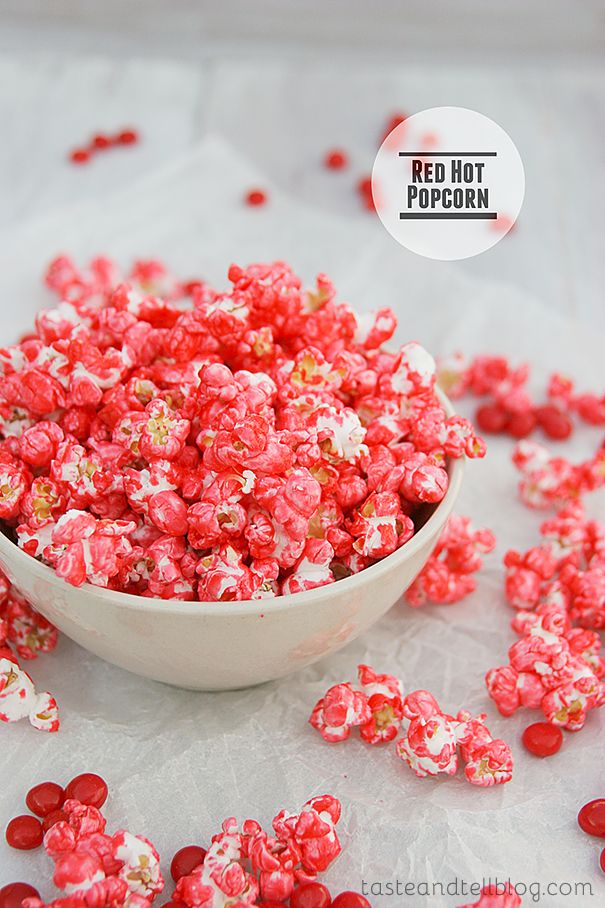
x,y
260,441
432,740
558,590
24,634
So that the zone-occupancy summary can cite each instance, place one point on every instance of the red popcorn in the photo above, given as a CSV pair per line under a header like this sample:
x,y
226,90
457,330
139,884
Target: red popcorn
x,y
545,673
266,428
28,631
303,844
432,740
20,700
566,570
447,575
340,710
510,408
552,481
385,700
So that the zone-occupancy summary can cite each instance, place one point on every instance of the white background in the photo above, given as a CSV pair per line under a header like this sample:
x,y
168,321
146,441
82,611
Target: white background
x,y
281,83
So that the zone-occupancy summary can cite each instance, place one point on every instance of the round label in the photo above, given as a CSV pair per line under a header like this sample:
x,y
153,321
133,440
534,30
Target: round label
x,y
448,183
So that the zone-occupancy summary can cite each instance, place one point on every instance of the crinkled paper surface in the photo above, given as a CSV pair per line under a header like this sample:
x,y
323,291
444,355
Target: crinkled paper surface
x,y
177,762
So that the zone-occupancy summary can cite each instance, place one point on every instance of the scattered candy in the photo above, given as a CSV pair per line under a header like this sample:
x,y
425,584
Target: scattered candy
x,y
186,860
336,159
12,895
447,575
542,739
510,408
260,443
79,156
45,798
496,896
256,197
591,818
127,137
24,833
101,142
364,188
311,895
602,861
88,788
351,900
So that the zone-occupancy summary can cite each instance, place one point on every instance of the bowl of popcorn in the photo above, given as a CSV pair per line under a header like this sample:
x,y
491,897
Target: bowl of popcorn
x,y
216,488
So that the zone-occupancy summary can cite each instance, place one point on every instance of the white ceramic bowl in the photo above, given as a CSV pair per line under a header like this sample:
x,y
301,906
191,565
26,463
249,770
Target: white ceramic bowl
x,y
223,645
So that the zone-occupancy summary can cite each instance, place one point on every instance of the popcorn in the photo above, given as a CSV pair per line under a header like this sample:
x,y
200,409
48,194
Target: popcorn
x,y
28,631
264,427
385,700
552,481
432,740
447,575
567,568
303,845
339,710
20,700
510,408
545,673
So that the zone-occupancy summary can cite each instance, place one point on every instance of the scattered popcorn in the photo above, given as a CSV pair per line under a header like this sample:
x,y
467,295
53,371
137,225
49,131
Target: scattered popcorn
x,y
375,706
447,576
20,700
552,481
260,442
564,575
433,739
551,667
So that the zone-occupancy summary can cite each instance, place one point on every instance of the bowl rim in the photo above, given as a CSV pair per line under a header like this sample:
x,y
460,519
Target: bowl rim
x,y
259,607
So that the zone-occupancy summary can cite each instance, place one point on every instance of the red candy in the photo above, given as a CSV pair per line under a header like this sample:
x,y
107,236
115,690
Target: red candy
x,y
492,418
12,895
336,159
127,137
87,788
256,197
350,900
51,819
186,860
24,833
80,156
602,861
591,818
100,141
311,895
542,739
45,798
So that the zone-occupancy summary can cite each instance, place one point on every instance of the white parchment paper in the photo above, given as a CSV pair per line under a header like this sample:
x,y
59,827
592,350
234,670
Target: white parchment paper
x,y
178,762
